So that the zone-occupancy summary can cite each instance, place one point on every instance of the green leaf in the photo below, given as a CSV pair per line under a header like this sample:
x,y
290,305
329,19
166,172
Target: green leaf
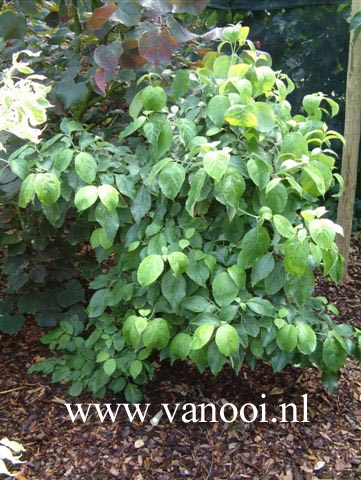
x,y
266,78
217,108
221,66
275,199
300,289
110,366
150,269
86,167
296,256
99,238
47,188
71,294
20,167
85,197
241,116
195,190
224,289
187,130
108,220
27,190
156,335
294,145
179,262
136,105
109,197
254,244
262,267
132,127
173,288
62,160
244,88
215,164
316,177
333,354
76,388
196,303
181,83
322,232
11,324
132,393
266,119
283,226
133,328
311,103
330,381
97,303
171,179
71,93
238,275
181,346
125,186
261,306
287,338
259,171
236,33
202,336
233,186
135,368
98,380
216,359
280,360
12,26
154,98
141,204
307,341
227,340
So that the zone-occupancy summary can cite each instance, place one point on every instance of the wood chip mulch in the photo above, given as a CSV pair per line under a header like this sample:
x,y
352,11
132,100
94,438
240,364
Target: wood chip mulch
x,y
32,411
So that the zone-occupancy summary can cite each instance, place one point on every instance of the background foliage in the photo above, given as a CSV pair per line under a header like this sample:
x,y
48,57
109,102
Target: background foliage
x,y
310,43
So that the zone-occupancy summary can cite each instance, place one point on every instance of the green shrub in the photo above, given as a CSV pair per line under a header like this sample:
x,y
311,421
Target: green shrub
x,y
207,222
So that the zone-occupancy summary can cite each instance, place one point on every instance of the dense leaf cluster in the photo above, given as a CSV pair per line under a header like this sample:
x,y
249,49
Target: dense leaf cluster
x,y
205,218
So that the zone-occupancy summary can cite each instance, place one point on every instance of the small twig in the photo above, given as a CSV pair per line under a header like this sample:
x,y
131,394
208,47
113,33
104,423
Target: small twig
x,y
19,388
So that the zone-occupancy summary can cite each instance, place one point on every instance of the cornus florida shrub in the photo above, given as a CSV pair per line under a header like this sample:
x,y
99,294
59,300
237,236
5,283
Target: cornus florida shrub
x,y
206,217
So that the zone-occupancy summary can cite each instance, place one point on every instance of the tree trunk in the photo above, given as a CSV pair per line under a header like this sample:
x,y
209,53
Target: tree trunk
x,y
352,137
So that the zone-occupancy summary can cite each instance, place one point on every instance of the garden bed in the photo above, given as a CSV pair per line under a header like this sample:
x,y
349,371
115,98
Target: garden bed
x,y
328,447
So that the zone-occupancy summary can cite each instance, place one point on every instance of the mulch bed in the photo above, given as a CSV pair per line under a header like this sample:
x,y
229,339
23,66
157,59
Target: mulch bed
x,y
328,447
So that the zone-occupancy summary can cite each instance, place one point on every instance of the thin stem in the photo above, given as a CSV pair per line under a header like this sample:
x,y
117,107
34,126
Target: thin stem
x,y
77,24
247,213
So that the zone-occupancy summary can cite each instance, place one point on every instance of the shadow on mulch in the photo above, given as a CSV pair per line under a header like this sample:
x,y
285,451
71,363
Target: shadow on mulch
x,y
328,447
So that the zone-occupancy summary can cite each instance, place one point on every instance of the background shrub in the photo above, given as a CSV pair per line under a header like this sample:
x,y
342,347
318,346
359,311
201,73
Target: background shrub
x,y
206,216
